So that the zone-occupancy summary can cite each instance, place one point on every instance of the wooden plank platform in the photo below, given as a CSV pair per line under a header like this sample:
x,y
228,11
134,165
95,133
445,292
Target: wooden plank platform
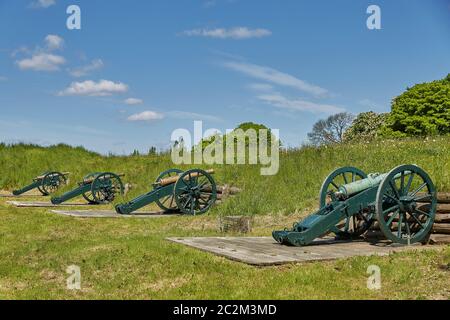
x,y
111,214
42,204
264,251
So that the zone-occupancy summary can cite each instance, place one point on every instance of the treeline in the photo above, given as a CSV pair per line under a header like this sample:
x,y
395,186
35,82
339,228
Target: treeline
x,y
422,110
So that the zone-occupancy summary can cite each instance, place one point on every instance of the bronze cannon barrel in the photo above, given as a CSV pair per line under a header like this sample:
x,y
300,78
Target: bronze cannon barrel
x,y
372,180
172,180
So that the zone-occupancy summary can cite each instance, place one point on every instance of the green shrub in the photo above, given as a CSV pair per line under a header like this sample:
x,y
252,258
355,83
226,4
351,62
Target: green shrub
x,y
423,110
365,127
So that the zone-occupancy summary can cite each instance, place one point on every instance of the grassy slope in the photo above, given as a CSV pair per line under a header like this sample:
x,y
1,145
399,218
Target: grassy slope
x,y
295,186
129,258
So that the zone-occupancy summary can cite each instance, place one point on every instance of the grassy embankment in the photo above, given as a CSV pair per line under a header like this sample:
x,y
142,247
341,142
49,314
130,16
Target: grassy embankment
x,y
129,258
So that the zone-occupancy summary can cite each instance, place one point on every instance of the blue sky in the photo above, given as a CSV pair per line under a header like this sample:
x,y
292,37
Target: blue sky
x,y
137,70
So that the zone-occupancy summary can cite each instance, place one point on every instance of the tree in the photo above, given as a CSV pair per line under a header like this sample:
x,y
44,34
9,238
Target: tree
x,y
330,130
256,127
421,110
179,143
365,127
236,133
152,151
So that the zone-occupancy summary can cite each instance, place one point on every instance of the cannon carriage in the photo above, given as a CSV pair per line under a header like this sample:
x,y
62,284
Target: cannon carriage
x,y
191,192
403,202
95,188
47,183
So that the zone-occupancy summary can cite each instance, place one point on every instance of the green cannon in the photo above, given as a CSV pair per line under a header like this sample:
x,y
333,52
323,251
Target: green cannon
x,y
402,202
46,183
96,188
191,192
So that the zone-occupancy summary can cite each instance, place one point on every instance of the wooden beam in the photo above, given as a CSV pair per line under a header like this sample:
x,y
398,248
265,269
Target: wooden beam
x,y
442,197
440,218
441,228
441,208
225,190
440,239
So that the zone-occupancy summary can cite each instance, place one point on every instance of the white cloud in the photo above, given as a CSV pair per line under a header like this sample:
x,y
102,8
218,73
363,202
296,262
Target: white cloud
x,y
133,101
43,3
282,102
92,88
237,33
275,76
260,87
183,115
21,50
87,69
54,42
146,116
41,62
192,116
42,59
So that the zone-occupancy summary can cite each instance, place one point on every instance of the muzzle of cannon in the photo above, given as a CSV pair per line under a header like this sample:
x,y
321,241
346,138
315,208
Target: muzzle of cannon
x,y
350,201
96,188
191,192
46,183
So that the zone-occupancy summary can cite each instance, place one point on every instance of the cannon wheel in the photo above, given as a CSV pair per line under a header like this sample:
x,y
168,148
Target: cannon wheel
x,y
51,182
195,192
351,227
338,178
167,203
88,196
105,187
397,205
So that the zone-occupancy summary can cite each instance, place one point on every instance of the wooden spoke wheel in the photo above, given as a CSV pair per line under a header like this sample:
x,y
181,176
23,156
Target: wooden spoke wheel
x,y
51,182
356,225
195,192
168,203
88,196
406,205
105,187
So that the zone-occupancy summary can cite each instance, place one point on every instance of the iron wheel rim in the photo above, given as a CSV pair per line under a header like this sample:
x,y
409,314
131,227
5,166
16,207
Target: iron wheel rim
x,y
105,187
195,192
398,215
51,182
88,196
167,203
356,225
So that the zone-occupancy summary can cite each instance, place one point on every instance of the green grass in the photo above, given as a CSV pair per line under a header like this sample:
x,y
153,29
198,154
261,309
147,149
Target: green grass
x,y
129,258
293,189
